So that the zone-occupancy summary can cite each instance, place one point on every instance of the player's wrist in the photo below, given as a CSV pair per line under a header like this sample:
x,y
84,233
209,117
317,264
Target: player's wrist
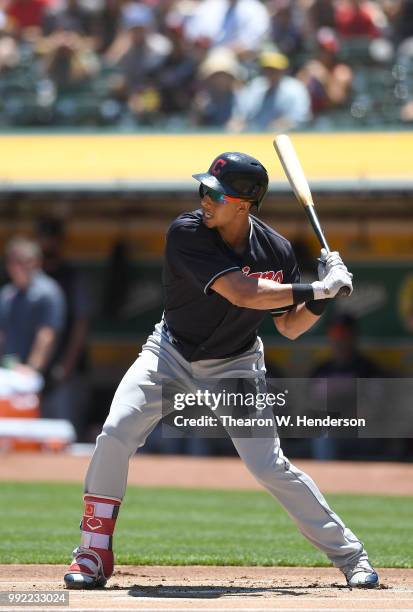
x,y
302,292
320,290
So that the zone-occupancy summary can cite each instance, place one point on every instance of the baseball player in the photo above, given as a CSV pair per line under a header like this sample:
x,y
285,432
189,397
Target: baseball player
x,y
224,269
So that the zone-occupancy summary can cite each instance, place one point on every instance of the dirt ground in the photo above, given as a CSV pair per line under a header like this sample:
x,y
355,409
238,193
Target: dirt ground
x,y
213,472
215,588
220,588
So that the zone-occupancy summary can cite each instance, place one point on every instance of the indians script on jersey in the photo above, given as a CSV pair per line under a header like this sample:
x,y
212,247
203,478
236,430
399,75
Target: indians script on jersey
x,y
269,275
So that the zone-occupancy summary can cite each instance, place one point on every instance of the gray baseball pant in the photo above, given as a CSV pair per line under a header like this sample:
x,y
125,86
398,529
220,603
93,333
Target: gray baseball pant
x,y
137,408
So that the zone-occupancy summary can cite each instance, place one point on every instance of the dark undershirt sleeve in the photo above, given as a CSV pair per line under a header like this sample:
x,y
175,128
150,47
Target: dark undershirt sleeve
x,y
291,275
192,253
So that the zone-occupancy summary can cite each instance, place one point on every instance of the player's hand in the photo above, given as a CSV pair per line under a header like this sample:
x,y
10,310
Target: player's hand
x,y
337,278
327,261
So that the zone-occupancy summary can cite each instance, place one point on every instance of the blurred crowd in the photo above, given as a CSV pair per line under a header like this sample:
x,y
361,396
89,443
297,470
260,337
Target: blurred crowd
x,y
184,64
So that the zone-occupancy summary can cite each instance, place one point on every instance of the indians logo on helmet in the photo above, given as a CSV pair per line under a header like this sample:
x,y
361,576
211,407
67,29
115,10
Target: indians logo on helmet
x,y
217,167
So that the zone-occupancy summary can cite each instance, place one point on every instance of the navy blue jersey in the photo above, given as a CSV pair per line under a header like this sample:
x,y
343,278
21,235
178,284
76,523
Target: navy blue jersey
x,y
203,323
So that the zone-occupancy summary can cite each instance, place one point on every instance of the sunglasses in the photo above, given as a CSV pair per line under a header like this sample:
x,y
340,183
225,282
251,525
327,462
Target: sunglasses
x,y
217,196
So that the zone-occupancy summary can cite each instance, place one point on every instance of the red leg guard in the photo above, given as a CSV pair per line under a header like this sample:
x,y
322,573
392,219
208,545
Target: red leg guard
x,y
98,524
93,561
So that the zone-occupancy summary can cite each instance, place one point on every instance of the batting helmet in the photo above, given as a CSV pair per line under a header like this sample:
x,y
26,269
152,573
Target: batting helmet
x,y
237,175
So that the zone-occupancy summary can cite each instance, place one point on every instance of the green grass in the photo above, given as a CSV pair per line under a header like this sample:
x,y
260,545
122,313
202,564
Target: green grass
x,y
39,524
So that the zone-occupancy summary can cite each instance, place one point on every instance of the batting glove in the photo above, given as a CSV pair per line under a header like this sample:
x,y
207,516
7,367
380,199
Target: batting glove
x,y
327,261
337,278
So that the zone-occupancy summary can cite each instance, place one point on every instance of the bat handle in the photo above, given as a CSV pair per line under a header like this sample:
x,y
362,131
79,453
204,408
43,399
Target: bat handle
x,y
344,291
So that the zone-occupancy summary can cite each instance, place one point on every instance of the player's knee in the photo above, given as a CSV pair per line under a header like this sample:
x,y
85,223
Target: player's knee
x,y
119,438
128,426
111,439
268,469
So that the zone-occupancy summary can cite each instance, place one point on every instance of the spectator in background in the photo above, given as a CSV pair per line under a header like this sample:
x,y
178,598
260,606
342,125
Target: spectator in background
x,y
287,22
26,16
67,390
139,53
220,79
177,75
406,113
345,363
9,48
273,100
32,309
107,23
328,81
71,15
355,18
9,54
242,25
346,360
171,13
403,22
320,14
67,57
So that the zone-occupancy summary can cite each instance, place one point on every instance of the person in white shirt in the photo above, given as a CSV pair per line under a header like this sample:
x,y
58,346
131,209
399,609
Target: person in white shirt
x,y
242,25
272,100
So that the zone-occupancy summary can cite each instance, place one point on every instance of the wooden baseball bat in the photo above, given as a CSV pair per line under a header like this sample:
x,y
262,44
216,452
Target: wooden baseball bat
x,y
295,174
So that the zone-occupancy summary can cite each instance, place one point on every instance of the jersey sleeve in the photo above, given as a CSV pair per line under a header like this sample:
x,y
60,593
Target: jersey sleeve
x,y
291,275
193,254
2,311
52,309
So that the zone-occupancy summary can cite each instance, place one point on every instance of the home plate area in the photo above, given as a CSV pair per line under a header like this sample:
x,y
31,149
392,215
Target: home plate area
x,y
218,588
